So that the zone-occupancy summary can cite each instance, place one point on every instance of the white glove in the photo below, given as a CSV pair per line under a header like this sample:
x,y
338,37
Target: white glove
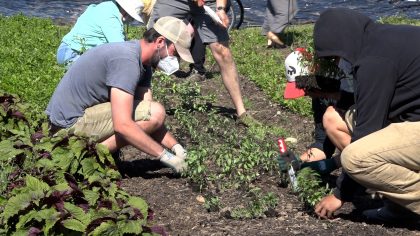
x,y
175,162
179,151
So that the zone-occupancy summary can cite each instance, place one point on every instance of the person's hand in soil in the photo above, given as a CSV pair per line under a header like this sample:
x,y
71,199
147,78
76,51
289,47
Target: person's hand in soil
x,y
179,151
327,206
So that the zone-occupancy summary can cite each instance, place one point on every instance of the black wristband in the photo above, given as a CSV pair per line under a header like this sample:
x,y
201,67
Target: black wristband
x,y
221,8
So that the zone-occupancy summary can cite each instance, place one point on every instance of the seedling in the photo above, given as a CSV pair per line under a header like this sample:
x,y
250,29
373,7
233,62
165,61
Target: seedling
x,y
212,203
310,187
259,206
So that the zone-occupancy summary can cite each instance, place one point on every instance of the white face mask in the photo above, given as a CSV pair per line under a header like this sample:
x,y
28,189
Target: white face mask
x,y
168,64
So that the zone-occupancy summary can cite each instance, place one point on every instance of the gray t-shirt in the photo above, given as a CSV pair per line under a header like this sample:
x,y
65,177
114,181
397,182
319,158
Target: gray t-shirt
x,y
89,80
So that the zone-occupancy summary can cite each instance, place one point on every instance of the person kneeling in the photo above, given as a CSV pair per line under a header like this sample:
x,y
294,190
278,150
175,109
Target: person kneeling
x,y
106,94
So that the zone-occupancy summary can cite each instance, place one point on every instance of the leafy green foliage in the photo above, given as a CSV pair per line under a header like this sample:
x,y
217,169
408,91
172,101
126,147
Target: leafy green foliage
x,y
28,62
227,158
310,187
212,203
399,20
259,206
63,184
135,32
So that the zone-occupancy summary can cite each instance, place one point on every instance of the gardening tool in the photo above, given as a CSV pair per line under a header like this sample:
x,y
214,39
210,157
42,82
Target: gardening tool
x,y
289,164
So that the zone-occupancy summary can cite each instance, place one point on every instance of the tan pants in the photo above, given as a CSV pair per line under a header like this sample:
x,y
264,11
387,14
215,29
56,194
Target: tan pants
x,y
388,161
97,120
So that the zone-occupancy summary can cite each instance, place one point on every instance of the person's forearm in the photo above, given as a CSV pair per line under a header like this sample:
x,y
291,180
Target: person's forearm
x,y
148,96
221,2
200,3
138,138
125,128
221,12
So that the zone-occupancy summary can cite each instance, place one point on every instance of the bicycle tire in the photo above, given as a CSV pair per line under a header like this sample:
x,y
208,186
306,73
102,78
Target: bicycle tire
x,y
241,13
235,14
232,17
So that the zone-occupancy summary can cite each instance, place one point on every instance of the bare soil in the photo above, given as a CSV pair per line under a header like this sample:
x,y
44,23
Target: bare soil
x,y
174,199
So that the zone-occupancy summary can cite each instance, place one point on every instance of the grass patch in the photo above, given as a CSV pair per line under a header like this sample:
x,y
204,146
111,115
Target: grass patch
x,y
266,67
28,63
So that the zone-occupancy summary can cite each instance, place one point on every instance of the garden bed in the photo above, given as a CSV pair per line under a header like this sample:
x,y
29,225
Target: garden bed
x,y
233,169
176,201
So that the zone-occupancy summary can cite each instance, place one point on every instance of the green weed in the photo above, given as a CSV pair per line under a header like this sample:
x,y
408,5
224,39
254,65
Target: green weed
x,y
310,187
212,203
28,58
259,206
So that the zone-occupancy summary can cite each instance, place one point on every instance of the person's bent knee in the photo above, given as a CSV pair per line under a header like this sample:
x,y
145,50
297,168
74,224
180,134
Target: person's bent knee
x,y
151,112
350,160
221,51
157,113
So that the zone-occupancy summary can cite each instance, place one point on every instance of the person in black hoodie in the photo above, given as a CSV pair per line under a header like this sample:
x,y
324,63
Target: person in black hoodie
x,y
384,153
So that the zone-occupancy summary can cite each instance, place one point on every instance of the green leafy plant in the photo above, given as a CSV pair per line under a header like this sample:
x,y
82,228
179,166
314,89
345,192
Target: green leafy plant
x,y
235,159
28,58
399,20
310,187
260,205
212,203
64,184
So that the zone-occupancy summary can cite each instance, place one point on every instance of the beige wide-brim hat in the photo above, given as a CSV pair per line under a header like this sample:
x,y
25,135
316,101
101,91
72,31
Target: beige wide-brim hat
x,y
133,7
175,30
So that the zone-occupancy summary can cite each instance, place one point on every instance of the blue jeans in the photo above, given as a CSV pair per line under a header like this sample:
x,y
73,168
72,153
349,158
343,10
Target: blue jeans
x,y
66,55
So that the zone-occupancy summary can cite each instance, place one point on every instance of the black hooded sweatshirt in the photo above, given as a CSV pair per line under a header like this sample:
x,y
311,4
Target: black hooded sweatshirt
x,y
386,69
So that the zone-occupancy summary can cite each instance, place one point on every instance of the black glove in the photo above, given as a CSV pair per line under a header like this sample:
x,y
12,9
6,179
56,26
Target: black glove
x,y
287,159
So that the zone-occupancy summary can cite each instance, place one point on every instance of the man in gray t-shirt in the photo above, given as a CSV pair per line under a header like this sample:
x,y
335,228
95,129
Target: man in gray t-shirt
x,y
106,93
87,84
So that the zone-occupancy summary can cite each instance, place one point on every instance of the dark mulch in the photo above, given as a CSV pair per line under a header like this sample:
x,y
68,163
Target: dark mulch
x,y
176,208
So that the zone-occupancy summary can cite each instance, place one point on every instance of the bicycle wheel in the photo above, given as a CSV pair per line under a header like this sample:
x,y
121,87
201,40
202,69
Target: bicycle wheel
x,y
240,9
232,16
235,14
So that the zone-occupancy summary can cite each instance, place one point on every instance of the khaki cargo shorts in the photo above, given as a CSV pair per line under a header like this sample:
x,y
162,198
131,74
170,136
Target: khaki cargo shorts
x,y
97,120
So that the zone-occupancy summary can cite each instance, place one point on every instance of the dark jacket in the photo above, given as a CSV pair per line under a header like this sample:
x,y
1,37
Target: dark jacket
x,y
386,68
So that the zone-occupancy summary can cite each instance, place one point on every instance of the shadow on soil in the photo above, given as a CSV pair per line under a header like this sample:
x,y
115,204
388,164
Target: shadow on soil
x,y
144,168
